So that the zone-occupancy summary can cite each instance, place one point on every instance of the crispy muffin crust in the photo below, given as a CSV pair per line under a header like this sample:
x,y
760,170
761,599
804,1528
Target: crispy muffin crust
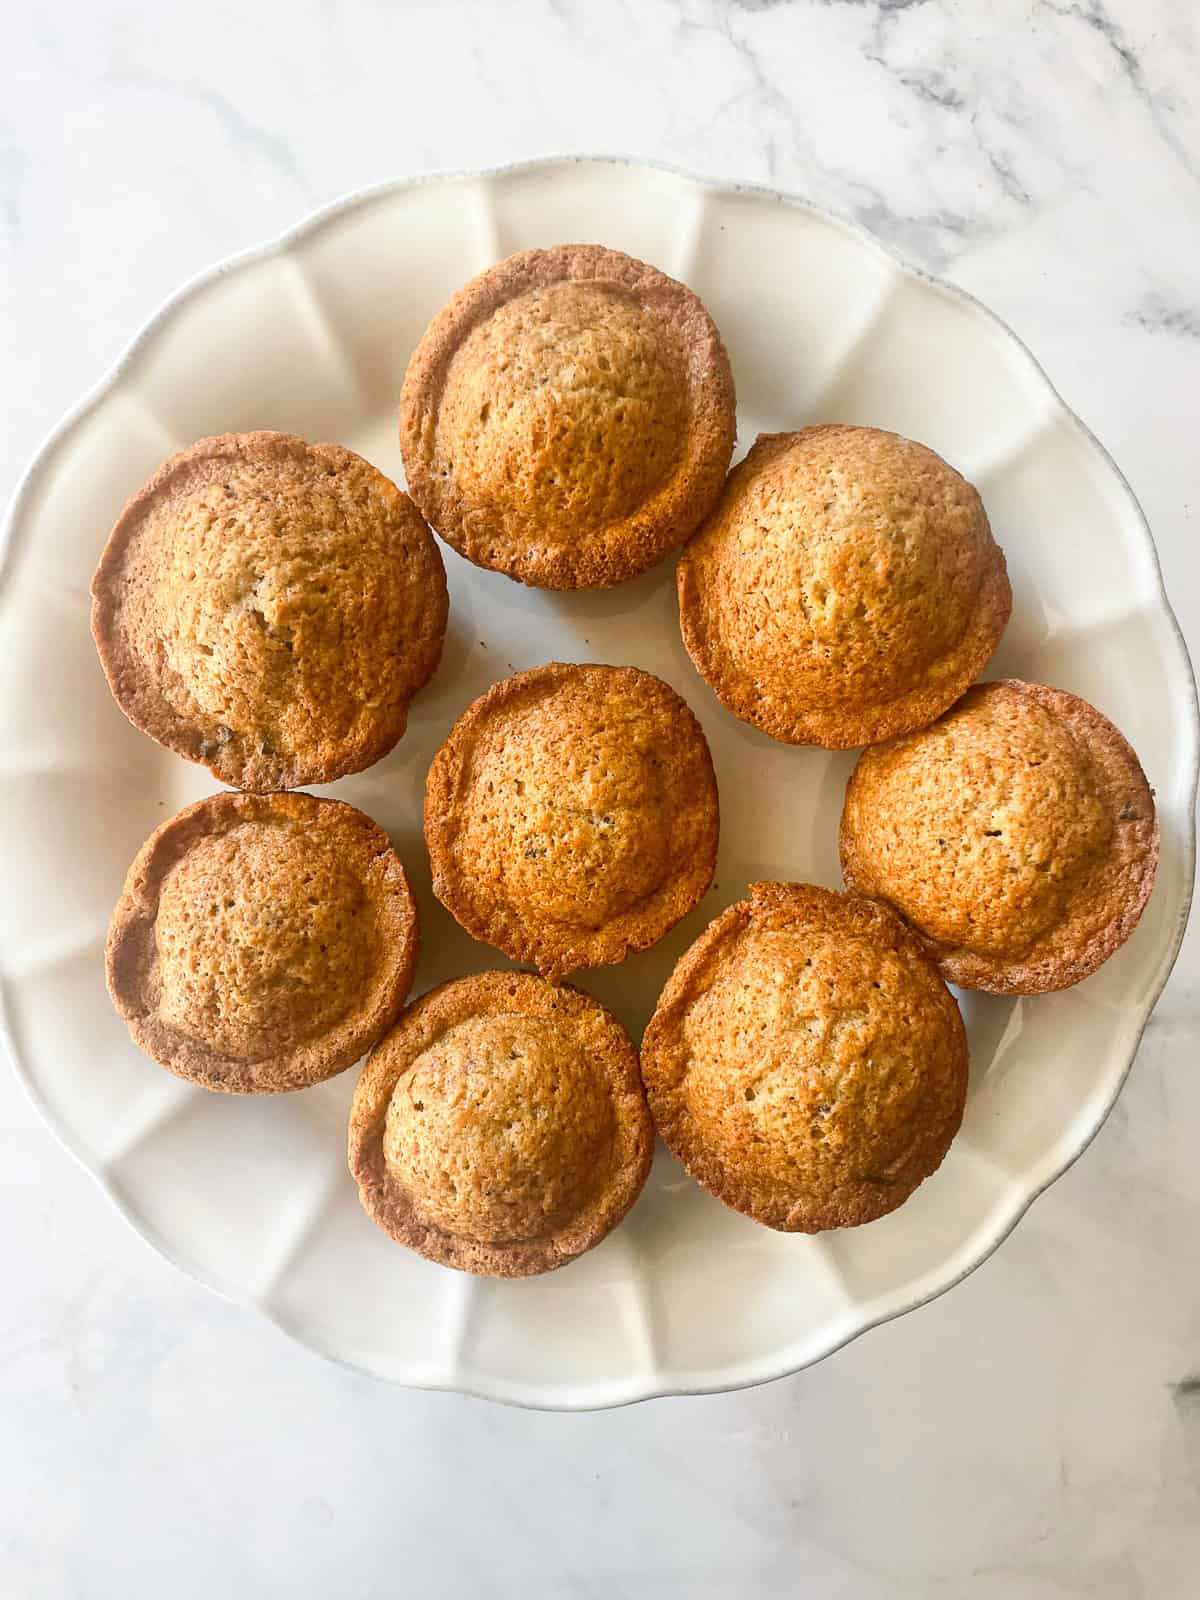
x,y
845,588
568,417
262,942
268,608
571,816
1017,835
501,1127
806,1063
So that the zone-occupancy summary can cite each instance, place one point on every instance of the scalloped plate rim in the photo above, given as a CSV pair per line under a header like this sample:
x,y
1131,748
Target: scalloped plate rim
x,y
515,1392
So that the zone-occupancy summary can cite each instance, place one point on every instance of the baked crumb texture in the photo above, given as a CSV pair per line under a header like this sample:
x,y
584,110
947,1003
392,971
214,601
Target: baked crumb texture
x,y
568,417
806,1063
268,608
1017,835
845,588
501,1126
571,815
262,942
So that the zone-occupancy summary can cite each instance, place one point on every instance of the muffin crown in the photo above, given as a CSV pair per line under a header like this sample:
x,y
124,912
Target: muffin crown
x,y
505,1124
567,409
1017,835
501,1126
269,608
805,1062
846,587
263,937
262,942
571,815
568,417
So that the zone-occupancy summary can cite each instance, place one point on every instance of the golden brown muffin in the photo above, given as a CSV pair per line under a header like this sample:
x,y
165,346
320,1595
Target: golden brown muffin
x,y
501,1126
846,588
269,608
262,942
571,815
568,417
1017,836
806,1064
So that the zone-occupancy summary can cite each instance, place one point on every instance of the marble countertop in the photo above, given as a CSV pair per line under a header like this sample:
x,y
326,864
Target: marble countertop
x,y
1033,1434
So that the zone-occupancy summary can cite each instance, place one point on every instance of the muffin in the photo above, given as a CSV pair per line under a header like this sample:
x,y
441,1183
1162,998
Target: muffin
x,y
568,417
571,815
501,1127
263,942
806,1063
1017,836
269,608
846,587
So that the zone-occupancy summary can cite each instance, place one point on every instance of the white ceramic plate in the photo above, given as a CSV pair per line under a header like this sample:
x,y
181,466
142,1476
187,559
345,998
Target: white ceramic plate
x,y
312,334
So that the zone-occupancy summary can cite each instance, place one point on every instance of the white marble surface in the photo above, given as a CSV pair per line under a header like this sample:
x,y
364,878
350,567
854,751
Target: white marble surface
x,y
1035,1433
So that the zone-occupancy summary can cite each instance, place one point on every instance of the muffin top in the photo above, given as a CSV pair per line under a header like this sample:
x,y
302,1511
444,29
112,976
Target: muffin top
x,y
846,587
501,1127
806,1063
1017,835
262,942
269,608
571,815
568,417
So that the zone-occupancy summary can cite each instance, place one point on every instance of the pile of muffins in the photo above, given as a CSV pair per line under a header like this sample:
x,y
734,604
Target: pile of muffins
x,y
269,608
